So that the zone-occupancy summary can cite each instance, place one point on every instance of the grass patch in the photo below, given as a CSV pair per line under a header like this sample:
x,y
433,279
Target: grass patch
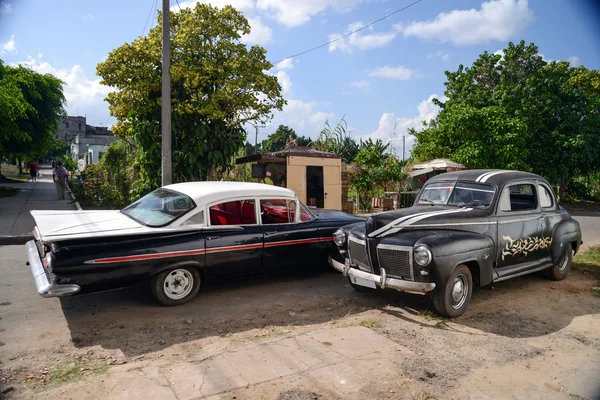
x,y
428,314
6,191
367,323
70,371
589,262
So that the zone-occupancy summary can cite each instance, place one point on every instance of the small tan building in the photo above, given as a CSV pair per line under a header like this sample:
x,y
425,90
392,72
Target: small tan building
x,y
315,176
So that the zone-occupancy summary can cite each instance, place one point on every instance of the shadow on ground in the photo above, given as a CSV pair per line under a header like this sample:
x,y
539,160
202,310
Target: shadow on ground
x,y
130,319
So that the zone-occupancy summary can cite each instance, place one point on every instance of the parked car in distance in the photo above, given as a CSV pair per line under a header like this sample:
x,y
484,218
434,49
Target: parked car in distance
x,y
177,237
478,226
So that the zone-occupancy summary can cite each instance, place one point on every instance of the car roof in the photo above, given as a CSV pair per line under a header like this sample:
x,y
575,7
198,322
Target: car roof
x,y
494,176
209,192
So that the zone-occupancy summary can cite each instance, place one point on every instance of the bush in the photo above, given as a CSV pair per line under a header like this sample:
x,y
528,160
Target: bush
x,y
577,191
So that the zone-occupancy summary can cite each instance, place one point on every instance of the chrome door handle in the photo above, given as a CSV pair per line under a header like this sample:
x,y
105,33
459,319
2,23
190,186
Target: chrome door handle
x,y
211,237
269,233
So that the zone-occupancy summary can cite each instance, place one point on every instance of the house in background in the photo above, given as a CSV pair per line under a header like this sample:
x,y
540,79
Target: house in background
x,y
86,142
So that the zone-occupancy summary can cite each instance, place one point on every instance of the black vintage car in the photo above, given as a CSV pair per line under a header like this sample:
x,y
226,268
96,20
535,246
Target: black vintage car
x,y
178,236
478,226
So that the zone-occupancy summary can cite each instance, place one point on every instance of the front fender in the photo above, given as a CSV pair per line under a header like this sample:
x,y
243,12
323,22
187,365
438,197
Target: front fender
x,y
450,249
567,231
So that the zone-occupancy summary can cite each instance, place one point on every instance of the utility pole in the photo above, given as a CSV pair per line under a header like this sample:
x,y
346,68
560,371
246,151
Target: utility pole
x,y
256,139
403,146
167,174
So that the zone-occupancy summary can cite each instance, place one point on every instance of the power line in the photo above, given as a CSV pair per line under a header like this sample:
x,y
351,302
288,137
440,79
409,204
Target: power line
x,y
350,33
153,8
178,5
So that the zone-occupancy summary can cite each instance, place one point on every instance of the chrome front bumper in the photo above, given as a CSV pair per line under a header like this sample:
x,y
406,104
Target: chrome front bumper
x,y
44,287
381,280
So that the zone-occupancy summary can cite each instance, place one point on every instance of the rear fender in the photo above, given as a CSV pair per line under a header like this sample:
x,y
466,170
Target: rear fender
x,y
566,232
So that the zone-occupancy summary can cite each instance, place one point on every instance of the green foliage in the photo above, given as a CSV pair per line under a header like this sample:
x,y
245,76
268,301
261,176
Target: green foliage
x,y
517,111
374,171
282,138
29,105
217,85
95,191
118,168
337,141
70,164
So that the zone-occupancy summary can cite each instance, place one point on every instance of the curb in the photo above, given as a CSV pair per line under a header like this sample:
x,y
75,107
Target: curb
x,y
11,240
77,205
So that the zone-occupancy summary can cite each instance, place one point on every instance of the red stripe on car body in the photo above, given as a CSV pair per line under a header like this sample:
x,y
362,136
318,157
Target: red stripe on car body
x,y
171,254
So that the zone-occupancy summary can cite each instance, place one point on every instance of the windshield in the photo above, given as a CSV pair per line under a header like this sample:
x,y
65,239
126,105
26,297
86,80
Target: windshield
x,y
159,208
458,194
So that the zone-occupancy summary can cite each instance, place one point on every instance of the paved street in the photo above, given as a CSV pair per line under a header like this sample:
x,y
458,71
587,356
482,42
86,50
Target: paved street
x,y
16,222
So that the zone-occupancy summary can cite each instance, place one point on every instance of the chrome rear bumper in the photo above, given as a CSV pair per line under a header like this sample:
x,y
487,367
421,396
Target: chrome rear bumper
x,y
381,280
44,287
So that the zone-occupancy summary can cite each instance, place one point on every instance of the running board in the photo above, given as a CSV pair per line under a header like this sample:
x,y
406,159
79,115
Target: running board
x,y
529,271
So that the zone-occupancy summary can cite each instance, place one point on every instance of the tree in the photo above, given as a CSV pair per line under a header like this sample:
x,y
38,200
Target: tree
x,y
217,85
283,138
517,111
30,104
279,139
337,141
374,170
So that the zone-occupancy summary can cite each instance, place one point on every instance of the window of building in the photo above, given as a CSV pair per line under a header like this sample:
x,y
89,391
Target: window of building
x,y
239,212
520,197
79,126
67,124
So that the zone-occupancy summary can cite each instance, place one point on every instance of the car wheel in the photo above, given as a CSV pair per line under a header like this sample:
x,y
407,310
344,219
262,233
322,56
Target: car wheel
x,y
176,286
561,270
359,288
452,299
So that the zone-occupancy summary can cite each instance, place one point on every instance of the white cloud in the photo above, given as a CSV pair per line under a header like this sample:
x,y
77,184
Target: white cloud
x,y
5,8
89,17
442,55
259,33
389,72
9,47
286,64
495,20
285,82
241,5
84,96
574,61
362,85
297,12
359,40
393,128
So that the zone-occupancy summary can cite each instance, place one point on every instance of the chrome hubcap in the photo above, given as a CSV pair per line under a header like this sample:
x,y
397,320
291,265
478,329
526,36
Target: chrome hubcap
x,y
459,292
564,263
178,284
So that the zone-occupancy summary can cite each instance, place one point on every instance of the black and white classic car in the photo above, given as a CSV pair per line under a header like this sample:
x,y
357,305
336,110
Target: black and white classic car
x,y
478,226
177,237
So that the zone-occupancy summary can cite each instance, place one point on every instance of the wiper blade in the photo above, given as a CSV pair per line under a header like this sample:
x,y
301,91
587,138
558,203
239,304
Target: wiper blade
x,y
473,203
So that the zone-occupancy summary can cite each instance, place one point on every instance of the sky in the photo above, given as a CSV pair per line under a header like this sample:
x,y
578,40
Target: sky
x,y
381,80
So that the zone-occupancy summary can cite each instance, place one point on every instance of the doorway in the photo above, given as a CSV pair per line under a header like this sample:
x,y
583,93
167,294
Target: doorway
x,y
315,194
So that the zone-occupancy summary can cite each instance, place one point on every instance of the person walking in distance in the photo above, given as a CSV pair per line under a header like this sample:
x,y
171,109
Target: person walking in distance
x,y
59,175
33,170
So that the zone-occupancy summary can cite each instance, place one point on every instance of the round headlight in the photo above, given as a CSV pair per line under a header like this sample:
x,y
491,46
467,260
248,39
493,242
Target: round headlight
x,y
339,237
422,255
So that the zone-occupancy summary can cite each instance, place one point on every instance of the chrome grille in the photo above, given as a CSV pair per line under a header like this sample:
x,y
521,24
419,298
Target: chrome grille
x,y
358,253
396,260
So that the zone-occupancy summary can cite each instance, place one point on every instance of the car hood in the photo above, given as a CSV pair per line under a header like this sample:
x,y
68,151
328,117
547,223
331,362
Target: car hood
x,y
335,215
422,217
53,224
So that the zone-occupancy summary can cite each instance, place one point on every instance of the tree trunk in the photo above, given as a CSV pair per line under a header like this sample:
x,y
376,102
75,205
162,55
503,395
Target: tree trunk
x,y
20,165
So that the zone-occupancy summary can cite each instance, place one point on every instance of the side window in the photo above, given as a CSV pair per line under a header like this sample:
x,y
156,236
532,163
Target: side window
x,y
305,214
277,211
197,219
545,197
521,197
239,212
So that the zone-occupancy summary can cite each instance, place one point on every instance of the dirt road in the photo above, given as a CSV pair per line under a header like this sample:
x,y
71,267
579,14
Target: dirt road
x,y
299,336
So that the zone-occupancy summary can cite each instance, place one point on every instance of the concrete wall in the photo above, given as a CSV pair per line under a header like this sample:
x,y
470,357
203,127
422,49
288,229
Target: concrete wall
x,y
332,183
69,127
